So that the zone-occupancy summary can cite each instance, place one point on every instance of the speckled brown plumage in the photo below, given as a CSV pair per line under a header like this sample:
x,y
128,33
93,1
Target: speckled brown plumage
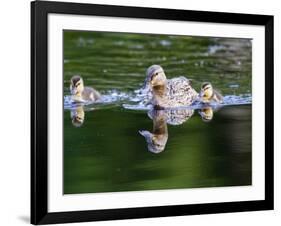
x,y
169,93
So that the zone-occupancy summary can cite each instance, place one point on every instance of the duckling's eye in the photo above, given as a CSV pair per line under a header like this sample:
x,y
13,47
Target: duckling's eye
x,y
152,77
78,84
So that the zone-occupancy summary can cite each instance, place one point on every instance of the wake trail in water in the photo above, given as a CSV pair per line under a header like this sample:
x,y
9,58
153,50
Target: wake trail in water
x,y
140,101
111,97
228,100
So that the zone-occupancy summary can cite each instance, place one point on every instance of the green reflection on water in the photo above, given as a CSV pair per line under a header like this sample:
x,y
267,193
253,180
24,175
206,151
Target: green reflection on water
x,y
107,153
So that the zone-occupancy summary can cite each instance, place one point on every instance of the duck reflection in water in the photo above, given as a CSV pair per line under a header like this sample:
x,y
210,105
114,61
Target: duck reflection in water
x,y
77,115
175,116
157,139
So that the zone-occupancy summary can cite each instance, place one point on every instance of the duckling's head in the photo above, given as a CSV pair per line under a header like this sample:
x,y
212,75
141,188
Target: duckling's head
x,y
155,76
206,114
76,85
77,116
155,142
206,91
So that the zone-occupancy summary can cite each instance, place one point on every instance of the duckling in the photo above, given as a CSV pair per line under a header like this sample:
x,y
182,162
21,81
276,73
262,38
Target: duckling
x,y
156,141
167,93
77,115
81,93
206,114
209,94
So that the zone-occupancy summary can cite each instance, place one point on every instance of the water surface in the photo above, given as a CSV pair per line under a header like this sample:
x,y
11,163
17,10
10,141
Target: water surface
x,y
107,153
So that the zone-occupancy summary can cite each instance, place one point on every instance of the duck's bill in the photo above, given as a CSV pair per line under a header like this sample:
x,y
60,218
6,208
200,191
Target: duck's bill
x,y
144,133
74,91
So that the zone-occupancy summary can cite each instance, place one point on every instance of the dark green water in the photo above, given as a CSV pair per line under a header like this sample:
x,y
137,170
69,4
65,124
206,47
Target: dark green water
x,y
108,154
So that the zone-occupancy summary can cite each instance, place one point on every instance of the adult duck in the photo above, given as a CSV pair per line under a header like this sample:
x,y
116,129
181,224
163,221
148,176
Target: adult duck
x,y
169,93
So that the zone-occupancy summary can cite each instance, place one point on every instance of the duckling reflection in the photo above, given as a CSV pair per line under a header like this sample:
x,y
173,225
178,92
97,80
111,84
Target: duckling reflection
x,y
77,115
206,114
157,139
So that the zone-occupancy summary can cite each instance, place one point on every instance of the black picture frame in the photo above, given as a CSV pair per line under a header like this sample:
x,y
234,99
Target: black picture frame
x,y
39,112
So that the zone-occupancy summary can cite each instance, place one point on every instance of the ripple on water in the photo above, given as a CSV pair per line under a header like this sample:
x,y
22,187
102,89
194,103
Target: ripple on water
x,y
110,97
139,101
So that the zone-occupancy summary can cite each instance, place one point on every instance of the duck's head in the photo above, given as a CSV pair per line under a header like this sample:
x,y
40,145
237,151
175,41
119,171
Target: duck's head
x,y
77,116
155,142
76,85
206,91
156,76
206,114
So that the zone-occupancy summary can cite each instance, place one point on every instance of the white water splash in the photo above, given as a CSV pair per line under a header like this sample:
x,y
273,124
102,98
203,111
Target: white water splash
x,y
110,97
229,100
139,101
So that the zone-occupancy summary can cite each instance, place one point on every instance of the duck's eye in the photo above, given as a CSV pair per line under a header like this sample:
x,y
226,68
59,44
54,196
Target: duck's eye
x,y
78,84
154,75
78,118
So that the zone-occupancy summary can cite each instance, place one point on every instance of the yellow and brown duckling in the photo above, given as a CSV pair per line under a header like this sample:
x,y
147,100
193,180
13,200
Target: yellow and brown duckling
x,y
157,139
208,94
169,93
81,93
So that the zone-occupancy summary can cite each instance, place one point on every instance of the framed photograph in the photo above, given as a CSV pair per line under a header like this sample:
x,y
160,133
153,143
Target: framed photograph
x,y
145,112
